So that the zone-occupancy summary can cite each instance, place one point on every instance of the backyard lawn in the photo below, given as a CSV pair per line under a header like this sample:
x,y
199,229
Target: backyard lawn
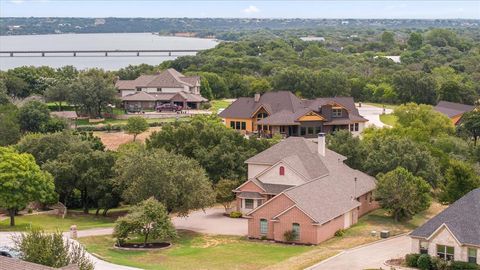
x,y
198,251
388,119
220,104
52,222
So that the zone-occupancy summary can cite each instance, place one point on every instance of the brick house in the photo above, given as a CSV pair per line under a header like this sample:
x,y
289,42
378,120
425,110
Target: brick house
x,y
169,86
454,234
302,186
284,113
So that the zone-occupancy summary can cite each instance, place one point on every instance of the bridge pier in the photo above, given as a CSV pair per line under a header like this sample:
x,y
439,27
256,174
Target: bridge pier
x,y
106,53
138,53
74,54
11,54
169,53
43,54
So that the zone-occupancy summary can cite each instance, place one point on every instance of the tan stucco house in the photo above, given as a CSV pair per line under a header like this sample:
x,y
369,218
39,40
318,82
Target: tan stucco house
x,y
302,186
169,86
454,234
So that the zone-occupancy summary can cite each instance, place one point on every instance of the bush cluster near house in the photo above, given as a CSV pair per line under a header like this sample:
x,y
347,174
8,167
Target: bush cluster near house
x,y
426,262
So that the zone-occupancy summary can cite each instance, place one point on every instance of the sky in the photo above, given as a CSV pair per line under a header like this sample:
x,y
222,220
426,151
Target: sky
x,y
403,9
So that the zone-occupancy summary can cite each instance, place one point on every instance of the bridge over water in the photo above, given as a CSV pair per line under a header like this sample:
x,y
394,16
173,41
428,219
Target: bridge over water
x,y
93,53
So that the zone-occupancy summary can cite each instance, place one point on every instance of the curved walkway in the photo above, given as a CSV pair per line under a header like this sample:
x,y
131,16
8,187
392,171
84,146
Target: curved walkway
x,y
372,114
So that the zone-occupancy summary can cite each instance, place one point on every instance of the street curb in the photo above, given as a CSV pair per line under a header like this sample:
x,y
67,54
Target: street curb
x,y
326,260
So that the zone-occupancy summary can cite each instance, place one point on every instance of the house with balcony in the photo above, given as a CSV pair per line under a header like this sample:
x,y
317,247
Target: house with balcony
x,y
282,112
170,86
454,234
302,186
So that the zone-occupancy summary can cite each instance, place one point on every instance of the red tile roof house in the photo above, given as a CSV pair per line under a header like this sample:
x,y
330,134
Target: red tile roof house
x,y
169,86
301,185
454,234
281,112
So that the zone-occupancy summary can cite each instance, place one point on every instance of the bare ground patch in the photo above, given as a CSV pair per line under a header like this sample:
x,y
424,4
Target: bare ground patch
x,y
112,140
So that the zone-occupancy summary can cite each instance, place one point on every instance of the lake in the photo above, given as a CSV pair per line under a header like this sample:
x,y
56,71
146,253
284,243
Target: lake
x,y
124,41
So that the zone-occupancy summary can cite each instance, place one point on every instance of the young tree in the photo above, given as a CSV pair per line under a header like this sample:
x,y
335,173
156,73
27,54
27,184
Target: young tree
x,y
471,124
149,219
58,93
402,193
460,179
22,181
224,192
176,181
388,39
136,125
33,116
50,249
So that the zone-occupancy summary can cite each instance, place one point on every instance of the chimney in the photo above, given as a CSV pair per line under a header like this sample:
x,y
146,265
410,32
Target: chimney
x,y
355,188
256,97
321,144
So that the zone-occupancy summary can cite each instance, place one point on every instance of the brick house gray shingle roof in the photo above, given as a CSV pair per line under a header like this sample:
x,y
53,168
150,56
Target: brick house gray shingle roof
x,y
462,218
7,263
167,78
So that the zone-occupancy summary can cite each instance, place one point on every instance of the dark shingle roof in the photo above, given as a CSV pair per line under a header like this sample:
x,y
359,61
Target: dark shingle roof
x,y
7,263
285,108
462,218
452,109
167,78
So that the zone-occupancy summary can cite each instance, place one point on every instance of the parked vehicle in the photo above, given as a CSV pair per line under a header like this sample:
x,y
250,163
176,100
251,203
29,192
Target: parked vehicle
x,y
168,107
9,252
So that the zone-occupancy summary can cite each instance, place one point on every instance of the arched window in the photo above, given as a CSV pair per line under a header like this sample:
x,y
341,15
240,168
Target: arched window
x,y
282,170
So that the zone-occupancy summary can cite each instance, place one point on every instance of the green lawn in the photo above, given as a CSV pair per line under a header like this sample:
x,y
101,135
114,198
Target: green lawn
x,y
197,251
52,223
388,119
219,104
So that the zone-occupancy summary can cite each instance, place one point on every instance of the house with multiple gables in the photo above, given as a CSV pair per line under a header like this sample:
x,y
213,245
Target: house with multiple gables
x,y
454,234
169,86
453,110
302,186
284,113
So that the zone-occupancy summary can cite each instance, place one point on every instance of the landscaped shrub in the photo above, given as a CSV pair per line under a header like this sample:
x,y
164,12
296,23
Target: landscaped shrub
x,y
424,262
205,106
464,266
438,264
289,236
411,259
263,237
340,233
235,214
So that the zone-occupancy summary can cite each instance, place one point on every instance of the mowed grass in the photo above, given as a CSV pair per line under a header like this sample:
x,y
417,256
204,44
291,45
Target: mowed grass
x,y
53,222
358,234
83,122
388,119
198,251
220,104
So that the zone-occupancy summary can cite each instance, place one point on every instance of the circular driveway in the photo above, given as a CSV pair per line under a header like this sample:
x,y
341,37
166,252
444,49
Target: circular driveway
x,y
372,114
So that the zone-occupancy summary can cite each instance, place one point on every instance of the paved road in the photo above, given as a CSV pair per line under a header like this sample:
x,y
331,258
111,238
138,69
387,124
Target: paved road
x,y
366,257
372,114
212,221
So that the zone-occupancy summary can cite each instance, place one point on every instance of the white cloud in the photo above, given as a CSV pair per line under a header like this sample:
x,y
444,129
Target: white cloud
x,y
251,10
17,1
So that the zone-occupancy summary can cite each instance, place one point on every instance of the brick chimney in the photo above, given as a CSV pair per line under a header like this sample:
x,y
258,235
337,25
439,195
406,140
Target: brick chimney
x,y
256,97
321,144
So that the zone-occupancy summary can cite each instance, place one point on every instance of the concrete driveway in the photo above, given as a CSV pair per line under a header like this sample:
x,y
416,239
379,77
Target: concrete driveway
x,y
212,221
372,114
367,256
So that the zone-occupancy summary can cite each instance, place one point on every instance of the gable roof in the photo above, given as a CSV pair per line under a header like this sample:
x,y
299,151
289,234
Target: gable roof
x,y
301,154
452,109
333,186
167,78
285,108
462,218
144,96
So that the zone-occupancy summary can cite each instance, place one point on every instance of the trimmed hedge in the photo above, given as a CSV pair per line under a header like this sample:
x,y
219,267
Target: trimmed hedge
x,y
464,266
411,259
235,214
425,262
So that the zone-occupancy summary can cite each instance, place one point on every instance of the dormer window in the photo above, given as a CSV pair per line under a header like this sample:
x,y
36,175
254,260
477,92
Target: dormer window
x,y
336,112
262,115
281,170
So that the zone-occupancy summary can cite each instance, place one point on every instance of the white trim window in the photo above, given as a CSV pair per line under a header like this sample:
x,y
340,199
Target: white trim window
x,y
263,226
248,203
336,113
296,231
472,255
423,247
446,252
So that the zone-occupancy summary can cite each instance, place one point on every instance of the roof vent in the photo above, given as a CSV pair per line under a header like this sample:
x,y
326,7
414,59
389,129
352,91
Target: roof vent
x,y
256,97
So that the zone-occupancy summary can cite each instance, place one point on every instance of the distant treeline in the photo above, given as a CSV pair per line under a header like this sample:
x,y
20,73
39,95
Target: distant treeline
x,y
219,27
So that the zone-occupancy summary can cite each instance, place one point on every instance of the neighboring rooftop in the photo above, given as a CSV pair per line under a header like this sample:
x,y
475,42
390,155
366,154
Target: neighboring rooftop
x,y
169,78
452,109
7,263
462,218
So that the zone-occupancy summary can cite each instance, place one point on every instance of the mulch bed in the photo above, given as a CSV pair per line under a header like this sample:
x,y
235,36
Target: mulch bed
x,y
141,246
